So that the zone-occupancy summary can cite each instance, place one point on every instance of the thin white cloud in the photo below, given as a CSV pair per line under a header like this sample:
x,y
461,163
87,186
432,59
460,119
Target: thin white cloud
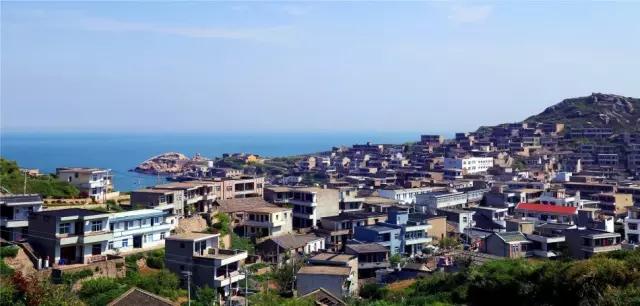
x,y
470,14
79,20
113,25
295,10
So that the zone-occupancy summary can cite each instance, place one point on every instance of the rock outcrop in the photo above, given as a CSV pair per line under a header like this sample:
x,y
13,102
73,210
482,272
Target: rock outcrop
x,y
169,163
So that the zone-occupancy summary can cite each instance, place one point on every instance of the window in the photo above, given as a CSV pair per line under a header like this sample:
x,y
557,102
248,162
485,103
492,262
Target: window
x,y
96,226
125,243
162,235
110,245
143,221
64,228
129,224
633,226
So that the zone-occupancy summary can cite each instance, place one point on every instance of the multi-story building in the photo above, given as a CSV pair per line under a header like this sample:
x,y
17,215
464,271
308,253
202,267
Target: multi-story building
x,y
14,214
371,257
138,229
431,139
547,213
199,255
584,243
168,200
399,234
406,196
310,204
339,229
254,217
430,202
386,236
197,196
69,236
632,226
460,219
469,165
614,204
239,187
92,182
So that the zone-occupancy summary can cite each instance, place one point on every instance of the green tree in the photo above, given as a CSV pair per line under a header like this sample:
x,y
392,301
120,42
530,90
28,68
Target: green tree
x,y
285,274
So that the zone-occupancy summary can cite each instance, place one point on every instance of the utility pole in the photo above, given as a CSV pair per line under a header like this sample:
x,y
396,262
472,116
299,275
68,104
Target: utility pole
x,y
188,275
24,186
246,286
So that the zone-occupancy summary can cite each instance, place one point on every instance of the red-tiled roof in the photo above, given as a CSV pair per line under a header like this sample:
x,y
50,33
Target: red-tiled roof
x,y
544,208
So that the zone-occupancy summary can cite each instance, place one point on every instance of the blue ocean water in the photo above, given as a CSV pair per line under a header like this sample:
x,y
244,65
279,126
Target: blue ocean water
x,y
121,152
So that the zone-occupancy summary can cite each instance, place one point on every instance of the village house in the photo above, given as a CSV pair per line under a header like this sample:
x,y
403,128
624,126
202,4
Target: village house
x,y
507,244
15,210
138,229
547,213
584,243
371,257
69,236
92,182
632,226
320,273
200,256
310,204
278,249
254,217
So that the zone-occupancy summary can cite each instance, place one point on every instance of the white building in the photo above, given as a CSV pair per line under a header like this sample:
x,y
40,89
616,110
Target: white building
x,y
432,201
93,182
632,226
469,165
138,229
405,196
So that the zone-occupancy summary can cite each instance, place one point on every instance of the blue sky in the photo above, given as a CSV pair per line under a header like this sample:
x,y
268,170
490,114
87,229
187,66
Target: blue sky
x,y
307,66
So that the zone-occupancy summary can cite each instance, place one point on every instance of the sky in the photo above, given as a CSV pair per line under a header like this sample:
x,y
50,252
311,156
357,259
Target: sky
x,y
306,66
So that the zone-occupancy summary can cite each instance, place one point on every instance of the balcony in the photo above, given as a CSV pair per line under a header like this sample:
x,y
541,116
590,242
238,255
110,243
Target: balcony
x,y
418,240
373,265
223,257
304,215
544,254
89,237
226,279
302,203
142,230
600,249
6,222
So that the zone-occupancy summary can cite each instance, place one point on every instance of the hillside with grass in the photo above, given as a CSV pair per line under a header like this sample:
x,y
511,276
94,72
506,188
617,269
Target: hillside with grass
x,y
597,110
12,180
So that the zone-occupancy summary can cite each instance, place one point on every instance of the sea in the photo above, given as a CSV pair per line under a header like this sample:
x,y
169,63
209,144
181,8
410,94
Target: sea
x,y
121,152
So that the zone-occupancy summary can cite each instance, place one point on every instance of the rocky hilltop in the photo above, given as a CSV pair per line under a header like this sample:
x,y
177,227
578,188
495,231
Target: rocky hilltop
x,y
597,110
168,163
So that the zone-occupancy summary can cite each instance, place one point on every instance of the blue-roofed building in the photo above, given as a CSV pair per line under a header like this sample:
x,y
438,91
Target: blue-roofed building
x,y
398,234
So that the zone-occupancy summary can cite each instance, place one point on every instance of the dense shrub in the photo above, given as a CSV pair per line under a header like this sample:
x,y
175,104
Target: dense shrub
x,y
72,277
102,290
9,251
5,270
155,259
